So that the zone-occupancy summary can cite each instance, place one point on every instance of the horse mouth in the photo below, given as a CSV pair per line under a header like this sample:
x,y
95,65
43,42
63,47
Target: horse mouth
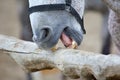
x,y
68,41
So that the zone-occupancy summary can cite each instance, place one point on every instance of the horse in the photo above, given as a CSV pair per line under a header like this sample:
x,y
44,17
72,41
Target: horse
x,y
26,32
52,20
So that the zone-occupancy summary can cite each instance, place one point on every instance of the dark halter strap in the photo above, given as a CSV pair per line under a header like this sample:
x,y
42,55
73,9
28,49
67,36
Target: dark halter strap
x,y
54,7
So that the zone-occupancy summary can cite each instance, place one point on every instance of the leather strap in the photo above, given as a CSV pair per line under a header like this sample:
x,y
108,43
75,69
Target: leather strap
x,y
55,7
68,2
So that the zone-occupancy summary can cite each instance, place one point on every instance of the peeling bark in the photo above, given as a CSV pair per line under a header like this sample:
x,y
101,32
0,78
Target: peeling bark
x,y
73,63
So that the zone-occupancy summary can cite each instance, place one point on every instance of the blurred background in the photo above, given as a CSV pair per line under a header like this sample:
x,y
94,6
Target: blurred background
x,y
14,22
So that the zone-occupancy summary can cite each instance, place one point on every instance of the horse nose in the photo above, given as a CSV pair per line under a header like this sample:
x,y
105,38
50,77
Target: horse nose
x,y
42,35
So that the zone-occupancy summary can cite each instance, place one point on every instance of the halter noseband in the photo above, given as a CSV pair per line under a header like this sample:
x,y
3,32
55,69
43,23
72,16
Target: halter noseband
x,y
54,7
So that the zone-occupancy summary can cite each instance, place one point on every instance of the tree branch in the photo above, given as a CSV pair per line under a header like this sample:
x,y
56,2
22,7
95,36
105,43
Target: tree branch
x,y
73,63
114,20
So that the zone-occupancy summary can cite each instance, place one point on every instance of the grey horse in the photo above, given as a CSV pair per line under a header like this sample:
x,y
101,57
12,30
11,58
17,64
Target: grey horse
x,y
50,26
26,33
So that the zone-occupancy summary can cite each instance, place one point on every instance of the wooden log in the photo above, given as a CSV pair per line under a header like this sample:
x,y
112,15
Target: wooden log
x,y
73,63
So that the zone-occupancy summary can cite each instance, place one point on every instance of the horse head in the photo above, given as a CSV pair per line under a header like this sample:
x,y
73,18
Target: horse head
x,y
49,26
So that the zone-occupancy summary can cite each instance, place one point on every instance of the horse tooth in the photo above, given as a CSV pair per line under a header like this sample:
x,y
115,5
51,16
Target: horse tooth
x,y
54,48
74,45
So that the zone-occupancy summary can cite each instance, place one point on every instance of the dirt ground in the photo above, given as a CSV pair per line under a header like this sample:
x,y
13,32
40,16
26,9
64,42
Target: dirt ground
x,y
10,25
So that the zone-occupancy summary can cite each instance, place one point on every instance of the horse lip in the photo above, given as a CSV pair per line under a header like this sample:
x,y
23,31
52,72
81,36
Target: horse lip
x,y
76,36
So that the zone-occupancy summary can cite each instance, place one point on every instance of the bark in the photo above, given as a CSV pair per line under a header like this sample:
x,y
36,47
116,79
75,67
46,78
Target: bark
x,y
73,63
114,27
113,4
114,20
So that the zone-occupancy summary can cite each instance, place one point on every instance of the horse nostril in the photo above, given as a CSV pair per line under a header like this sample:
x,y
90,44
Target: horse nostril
x,y
42,35
45,34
